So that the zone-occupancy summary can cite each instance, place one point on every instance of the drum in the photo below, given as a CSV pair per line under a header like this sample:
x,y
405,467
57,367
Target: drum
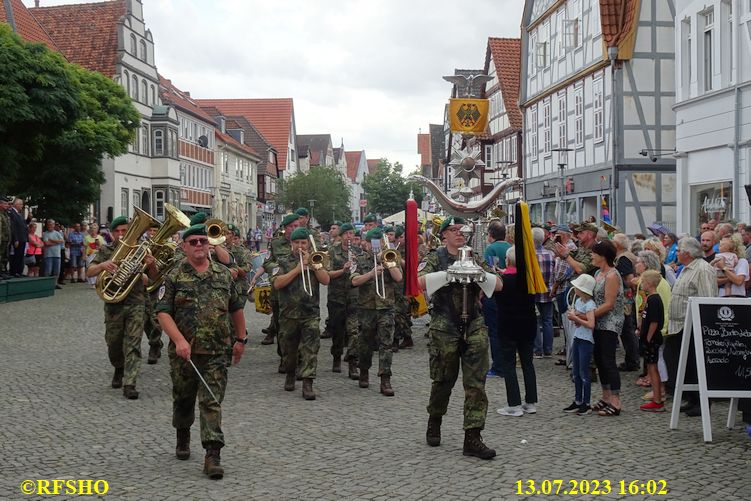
x,y
419,306
262,298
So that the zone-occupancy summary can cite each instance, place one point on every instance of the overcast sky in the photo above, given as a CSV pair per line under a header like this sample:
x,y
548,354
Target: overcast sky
x,y
365,71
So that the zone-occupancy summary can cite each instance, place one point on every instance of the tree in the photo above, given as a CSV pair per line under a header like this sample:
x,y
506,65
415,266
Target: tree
x,y
327,187
57,121
386,189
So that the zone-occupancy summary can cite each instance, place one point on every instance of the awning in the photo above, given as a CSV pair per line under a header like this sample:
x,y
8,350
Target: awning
x,y
188,208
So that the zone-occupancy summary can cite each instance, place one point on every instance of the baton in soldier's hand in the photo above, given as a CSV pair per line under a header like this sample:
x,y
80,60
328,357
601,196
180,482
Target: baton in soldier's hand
x,y
204,382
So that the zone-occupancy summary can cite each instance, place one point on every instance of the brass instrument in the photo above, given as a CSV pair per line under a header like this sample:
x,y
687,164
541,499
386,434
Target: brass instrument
x,y
388,258
388,255
317,258
163,248
130,254
216,230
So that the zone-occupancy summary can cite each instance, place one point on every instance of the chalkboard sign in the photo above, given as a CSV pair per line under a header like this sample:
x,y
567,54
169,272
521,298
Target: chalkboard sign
x,y
726,339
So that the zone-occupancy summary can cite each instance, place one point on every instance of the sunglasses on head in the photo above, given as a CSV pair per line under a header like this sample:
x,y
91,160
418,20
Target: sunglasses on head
x,y
196,241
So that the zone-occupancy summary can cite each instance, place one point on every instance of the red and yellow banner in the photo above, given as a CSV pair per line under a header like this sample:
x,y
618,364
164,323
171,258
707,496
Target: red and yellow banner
x,y
468,115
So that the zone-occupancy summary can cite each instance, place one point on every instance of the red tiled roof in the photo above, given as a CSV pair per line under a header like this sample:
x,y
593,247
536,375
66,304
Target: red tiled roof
x,y
373,165
170,94
353,159
86,34
506,54
619,18
234,142
423,148
273,117
25,24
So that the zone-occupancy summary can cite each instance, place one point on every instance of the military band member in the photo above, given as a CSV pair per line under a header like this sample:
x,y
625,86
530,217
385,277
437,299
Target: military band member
x,y
304,222
376,313
356,242
369,222
193,305
403,311
123,321
151,324
453,343
241,261
335,232
342,302
299,311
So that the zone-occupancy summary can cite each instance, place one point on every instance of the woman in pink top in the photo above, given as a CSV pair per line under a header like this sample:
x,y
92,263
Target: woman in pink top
x,y
34,251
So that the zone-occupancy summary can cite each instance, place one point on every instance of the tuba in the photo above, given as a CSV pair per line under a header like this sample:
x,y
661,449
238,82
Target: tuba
x,y
130,253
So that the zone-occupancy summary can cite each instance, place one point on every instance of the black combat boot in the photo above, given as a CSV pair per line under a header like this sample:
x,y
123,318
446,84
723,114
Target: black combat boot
x,y
307,389
386,388
182,450
407,342
337,367
154,353
364,381
352,369
129,391
269,339
289,382
117,379
212,464
474,446
282,367
433,435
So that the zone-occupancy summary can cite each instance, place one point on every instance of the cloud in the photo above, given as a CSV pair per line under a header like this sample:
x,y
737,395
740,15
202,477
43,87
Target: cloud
x,y
365,71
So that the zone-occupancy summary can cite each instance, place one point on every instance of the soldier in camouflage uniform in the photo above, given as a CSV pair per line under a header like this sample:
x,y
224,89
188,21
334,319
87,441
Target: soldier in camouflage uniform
x,y
580,260
4,236
343,302
376,313
403,311
151,324
241,259
123,321
299,312
453,344
194,302
304,222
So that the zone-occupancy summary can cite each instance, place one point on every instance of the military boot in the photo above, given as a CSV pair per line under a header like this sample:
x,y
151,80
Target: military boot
x,y
433,435
337,367
269,339
154,353
117,379
474,446
182,450
212,464
129,391
386,388
364,381
307,389
289,382
352,369
407,342
282,367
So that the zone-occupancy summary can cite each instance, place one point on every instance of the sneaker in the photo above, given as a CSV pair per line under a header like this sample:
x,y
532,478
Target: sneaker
x,y
515,411
529,408
537,355
653,407
492,373
572,408
583,410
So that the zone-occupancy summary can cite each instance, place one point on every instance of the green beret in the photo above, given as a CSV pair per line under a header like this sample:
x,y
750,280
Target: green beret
x,y
370,218
196,229
346,227
449,221
389,229
357,233
374,234
302,211
119,220
300,234
236,231
290,218
399,231
198,218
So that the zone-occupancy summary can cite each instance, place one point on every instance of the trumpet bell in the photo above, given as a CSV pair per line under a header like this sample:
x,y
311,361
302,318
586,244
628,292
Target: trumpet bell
x,y
215,231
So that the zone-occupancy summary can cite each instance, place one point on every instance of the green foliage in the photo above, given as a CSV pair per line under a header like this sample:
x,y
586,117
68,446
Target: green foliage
x,y
387,190
326,186
57,121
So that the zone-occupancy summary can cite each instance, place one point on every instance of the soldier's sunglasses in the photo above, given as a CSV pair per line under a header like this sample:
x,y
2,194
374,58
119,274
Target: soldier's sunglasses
x,y
196,241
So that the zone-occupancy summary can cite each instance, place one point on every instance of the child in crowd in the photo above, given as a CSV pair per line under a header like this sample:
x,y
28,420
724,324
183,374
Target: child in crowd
x,y
727,255
650,335
583,316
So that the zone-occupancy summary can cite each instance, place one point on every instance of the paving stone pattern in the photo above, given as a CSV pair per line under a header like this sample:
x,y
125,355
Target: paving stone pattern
x,y
61,419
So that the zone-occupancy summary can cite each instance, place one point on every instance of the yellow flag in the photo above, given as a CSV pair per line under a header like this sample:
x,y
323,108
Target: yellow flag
x,y
468,115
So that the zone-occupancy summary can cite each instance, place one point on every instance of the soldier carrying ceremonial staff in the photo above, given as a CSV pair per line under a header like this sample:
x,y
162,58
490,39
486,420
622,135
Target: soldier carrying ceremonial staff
x,y
296,279
193,305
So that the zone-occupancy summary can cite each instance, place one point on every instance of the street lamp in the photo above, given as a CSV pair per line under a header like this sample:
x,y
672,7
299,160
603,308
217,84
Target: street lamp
x,y
562,160
312,204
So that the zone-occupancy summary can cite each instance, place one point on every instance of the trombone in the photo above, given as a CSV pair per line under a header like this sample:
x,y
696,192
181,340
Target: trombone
x,y
388,257
317,261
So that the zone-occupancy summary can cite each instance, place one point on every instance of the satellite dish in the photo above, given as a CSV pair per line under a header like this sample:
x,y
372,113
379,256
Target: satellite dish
x,y
203,141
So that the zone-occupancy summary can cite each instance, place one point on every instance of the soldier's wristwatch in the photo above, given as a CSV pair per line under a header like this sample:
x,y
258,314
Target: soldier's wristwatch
x,y
242,341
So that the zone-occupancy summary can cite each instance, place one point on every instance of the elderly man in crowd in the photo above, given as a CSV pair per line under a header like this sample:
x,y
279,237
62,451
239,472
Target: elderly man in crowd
x,y
698,279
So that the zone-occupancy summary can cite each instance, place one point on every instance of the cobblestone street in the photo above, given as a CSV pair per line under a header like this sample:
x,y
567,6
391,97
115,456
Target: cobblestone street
x,y
61,419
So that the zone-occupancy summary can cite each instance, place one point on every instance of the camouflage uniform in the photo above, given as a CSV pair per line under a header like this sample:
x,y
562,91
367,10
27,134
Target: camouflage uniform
x,y
199,304
376,317
342,301
4,240
448,349
151,325
403,309
280,248
584,256
299,319
242,259
123,323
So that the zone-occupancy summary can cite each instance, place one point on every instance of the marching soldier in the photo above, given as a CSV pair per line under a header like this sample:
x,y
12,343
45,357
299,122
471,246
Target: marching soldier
x,y
4,235
335,232
369,223
343,302
304,222
299,311
241,259
151,324
452,344
403,312
193,305
376,313
123,321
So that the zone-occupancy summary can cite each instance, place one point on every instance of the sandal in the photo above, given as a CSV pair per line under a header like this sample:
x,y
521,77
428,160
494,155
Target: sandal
x,y
643,381
600,406
609,411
